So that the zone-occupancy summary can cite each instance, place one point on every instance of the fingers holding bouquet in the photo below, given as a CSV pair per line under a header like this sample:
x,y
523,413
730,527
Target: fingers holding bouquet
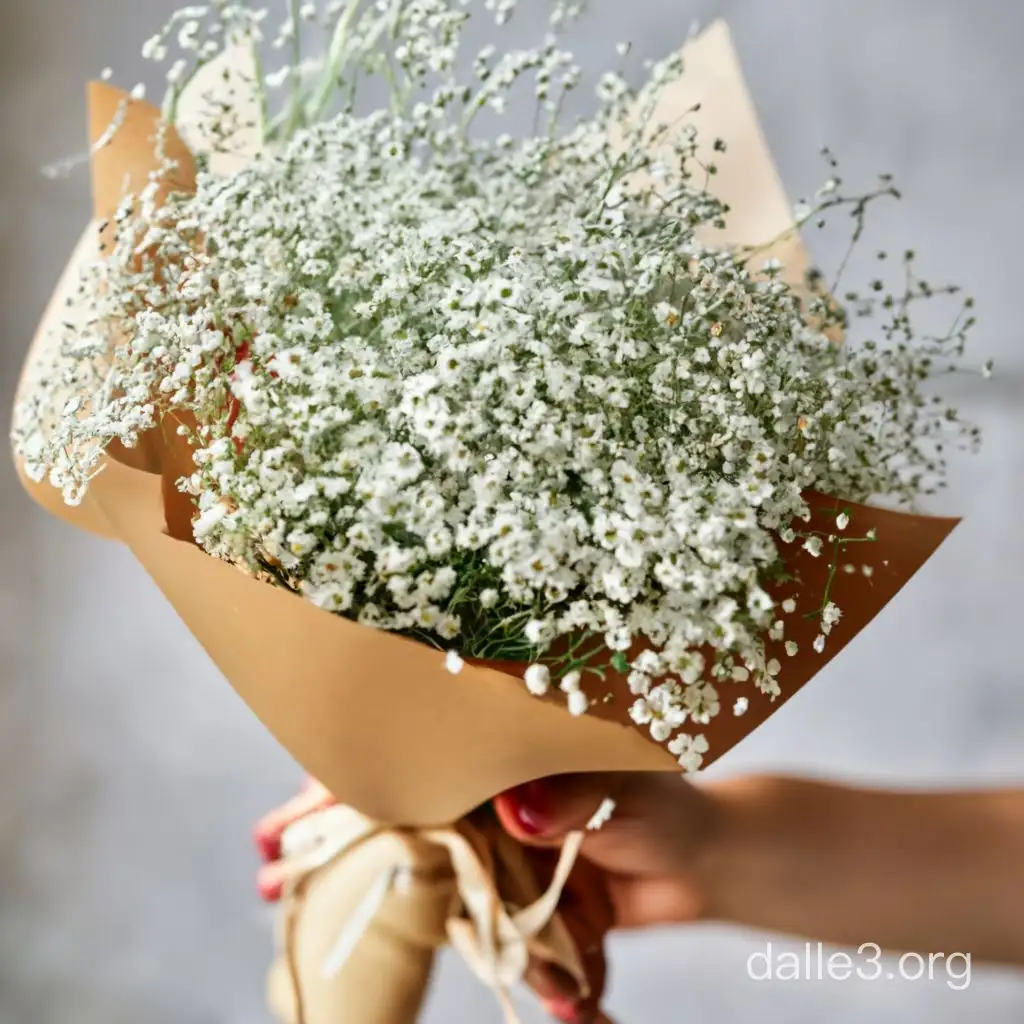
x,y
584,907
638,865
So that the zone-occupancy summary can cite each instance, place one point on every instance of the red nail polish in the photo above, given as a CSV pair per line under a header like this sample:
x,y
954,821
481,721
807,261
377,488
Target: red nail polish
x,y
268,844
566,1010
530,804
269,889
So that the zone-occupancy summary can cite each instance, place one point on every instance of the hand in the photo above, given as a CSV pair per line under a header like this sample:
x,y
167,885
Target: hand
x,y
932,872
628,875
937,873
645,866
270,829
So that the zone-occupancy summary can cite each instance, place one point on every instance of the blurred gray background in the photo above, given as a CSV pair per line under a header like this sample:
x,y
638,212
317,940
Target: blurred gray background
x,y
130,775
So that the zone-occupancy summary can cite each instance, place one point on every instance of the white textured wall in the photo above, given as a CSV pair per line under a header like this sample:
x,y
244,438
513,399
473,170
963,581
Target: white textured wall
x,y
130,774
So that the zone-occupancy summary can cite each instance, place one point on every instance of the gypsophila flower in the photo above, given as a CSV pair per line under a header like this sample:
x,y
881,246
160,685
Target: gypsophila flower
x,y
570,682
660,710
577,702
741,706
830,615
812,545
537,631
538,679
490,393
602,815
689,750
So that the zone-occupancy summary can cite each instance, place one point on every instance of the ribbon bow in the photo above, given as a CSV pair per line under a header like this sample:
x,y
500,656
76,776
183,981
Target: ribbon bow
x,y
494,937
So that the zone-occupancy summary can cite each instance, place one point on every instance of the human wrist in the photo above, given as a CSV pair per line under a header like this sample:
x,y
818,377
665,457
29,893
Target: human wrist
x,y
751,856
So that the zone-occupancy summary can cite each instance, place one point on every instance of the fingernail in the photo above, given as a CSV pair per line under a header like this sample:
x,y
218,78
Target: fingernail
x,y
269,887
530,804
267,843
566,1010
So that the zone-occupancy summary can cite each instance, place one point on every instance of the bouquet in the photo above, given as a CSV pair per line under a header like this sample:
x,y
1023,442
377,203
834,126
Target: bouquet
x,y
471,458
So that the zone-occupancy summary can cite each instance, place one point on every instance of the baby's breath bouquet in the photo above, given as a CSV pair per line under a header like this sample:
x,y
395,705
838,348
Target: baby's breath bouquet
x,y
427,430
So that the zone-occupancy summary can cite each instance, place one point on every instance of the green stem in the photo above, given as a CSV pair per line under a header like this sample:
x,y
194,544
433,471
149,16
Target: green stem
x,y
261,91
334,63
295,112
174,94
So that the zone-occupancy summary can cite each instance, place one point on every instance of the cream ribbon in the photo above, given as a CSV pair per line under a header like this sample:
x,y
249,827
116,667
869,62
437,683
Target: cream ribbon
x,y
491,937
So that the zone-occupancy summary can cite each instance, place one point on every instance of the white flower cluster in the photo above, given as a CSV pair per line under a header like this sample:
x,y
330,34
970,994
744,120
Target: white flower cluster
x,y
488,394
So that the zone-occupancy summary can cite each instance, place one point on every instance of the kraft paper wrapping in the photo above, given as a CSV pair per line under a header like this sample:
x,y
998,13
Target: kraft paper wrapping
x,y
388,962
408,928
326,687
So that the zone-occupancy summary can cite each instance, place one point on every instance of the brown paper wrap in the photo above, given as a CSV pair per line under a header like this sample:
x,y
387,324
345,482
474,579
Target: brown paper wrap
x,y
326,687
363,899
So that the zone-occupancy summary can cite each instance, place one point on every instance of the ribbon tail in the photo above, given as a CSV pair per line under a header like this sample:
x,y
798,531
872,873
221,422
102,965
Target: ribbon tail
x,y
475,886
358,924
532,919
507,1006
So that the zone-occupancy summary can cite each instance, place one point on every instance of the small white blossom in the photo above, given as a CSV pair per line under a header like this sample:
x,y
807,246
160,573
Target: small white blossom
x,y
206,522
830,614
578,702
661,710
537,631
812,545
538,679
689,750
454,663
570,682
602,815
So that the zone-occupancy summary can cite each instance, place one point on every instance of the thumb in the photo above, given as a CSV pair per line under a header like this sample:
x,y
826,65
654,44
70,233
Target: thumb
x,y
541,813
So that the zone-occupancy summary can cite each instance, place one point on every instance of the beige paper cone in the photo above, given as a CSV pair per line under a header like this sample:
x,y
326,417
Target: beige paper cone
x,y
386,973
712,95
227,83
377,718
385,978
